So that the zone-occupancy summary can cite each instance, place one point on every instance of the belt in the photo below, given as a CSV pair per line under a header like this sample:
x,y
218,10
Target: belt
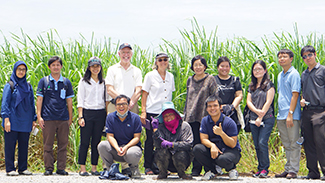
x,y
314,107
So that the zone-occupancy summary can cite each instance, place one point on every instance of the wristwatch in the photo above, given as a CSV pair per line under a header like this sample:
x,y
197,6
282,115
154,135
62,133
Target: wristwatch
x,y
291,112
80,118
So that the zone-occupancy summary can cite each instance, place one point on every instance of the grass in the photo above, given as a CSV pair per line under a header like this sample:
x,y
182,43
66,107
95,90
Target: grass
x,y
75,53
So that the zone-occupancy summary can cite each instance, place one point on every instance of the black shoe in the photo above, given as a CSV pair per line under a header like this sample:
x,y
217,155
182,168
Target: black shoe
x,y
83,173
62,172
310,177
48,172
95,173
322,178
127,172
195,174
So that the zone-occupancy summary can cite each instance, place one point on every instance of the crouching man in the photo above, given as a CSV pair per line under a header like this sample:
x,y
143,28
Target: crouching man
x,y
123,130
173,139
220,147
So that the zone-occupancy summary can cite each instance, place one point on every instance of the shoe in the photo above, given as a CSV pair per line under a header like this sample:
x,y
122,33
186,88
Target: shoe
x,y
282,175
322,178
219,170
160,176
12,173
48,172
233,174
62,172
309,177
195,173
25,172
185,177
83,173
127,172
148,171
135,172
291,175
263,174
257,174
208,176
96,173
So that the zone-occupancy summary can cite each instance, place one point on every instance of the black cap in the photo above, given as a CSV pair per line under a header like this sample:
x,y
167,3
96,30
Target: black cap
x,y
124,45
160,55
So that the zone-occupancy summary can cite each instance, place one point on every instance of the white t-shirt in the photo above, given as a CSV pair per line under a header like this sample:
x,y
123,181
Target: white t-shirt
x,y
91,96
124,81
159,91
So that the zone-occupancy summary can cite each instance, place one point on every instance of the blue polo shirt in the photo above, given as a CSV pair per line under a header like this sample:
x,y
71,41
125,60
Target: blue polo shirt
x,y
287,83
54,106
123,131
228,126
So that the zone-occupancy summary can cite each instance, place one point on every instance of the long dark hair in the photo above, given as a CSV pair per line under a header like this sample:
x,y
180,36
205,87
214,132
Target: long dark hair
x,y
87,74
265,80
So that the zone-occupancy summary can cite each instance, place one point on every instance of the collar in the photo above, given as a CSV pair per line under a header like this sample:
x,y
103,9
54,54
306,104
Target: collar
x,y
60,79
128,116
288,71
120,66
166,77
316,67
219,120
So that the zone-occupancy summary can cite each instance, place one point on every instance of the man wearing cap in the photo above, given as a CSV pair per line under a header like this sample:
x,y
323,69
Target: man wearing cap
x,y
173,139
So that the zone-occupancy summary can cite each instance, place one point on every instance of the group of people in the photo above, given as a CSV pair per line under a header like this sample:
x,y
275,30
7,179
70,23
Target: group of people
x,y
206,135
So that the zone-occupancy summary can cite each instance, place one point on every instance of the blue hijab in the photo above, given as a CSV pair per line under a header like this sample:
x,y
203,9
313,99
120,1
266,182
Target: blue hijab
x,y
22,87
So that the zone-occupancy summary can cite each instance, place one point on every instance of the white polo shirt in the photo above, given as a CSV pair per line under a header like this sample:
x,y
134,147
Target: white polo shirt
x,y
124,81
159,90
91,96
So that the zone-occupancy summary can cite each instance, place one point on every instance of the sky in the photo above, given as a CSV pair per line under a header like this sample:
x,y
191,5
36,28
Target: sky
x,y
146,22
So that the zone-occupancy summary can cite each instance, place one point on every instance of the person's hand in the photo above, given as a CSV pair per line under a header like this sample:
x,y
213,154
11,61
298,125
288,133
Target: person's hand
x,y
154,123
143,117
122,151
289,121
260,113
81,122
215,151
258,122
7,125
302,102
166,144
41,122
217,129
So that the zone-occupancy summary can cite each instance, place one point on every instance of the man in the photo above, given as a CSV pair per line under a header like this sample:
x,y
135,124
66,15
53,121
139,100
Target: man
x,y
288,119
54,115
220,145
123,130
313,115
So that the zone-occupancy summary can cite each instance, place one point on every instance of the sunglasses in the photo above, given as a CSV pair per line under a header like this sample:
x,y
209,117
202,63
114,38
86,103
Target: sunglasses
x,y
309,55
165,59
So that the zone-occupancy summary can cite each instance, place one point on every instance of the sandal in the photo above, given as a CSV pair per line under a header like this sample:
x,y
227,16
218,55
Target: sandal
x,y
148,171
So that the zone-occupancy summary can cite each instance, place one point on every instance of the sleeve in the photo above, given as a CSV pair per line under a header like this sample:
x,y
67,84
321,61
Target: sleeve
x,y
173,82
186,138
238,84
40,88
6,98
109,80
70,93
187,83
156,140
81,94
231,128
295,81
33,103
146,83
212,85
137,124
138,77
109,127
203,127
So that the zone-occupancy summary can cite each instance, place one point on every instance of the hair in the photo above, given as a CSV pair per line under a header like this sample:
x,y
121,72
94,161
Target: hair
x,y
201,58
265,79
307,48
285,51
223,59
87,74
120,97
213,98
53,59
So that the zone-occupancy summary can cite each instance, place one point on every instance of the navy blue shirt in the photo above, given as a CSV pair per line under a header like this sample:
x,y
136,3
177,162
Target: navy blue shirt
x,y
54,106
123,131
228,126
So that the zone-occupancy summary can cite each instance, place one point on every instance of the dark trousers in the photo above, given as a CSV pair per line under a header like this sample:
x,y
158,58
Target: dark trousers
x,y
94,124
10,145
148,146
197,167
177,162
227,160
313,129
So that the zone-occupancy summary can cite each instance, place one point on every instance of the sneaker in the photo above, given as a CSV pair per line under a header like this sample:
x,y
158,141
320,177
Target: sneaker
x,y
219,170
263,174
135,172
233,174
127,172
257,174
12,173
25,172
208,176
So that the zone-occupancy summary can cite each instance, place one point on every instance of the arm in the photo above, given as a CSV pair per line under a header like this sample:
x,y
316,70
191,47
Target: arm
x,y
266,106
39,104
133,142
5,107
81,120
69,104
293,104
135,97
143,106
112,141
251,106
215,151
111,91
229,141
238,98
186,138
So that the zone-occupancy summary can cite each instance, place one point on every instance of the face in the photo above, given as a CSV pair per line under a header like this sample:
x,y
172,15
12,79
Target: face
x,y
169,117
95,69
21,71
213,108
309,58
125,54
55,67
284,60
162,63
258,71
198,67
224,68
122,105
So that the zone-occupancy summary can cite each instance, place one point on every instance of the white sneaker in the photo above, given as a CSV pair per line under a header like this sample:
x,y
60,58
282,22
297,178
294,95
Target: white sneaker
x,y
208,176
12,173
135,172
219,170
233,174
25,172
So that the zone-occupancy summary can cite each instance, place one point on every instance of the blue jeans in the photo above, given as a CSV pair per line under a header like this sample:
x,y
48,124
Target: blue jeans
x,y
261,137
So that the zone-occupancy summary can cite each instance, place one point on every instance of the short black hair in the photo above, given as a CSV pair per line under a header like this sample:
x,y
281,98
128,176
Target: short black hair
x,y
120,97
53,59
213,98
201,58
223,59
285,51
307,48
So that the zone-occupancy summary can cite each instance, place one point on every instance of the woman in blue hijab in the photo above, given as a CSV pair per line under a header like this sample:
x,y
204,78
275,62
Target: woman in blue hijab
x,y
18,113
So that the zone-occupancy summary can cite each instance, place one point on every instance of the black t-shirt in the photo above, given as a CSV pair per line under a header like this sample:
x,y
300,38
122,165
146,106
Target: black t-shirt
x,y
228,88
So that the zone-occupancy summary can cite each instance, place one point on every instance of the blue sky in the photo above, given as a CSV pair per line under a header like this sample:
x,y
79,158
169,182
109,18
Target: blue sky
x,y
145,22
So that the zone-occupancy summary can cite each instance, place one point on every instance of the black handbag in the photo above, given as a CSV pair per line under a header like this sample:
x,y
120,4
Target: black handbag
x,y
247,127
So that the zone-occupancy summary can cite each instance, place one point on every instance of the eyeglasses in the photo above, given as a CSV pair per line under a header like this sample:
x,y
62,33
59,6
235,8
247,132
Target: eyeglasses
x,y
21,70
258,69
122,104
309,55
165,59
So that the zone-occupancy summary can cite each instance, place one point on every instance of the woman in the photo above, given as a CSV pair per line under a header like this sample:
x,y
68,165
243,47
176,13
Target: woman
x,y
157,88
18,112
260,102
173,141
199,87
229,89
92,102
